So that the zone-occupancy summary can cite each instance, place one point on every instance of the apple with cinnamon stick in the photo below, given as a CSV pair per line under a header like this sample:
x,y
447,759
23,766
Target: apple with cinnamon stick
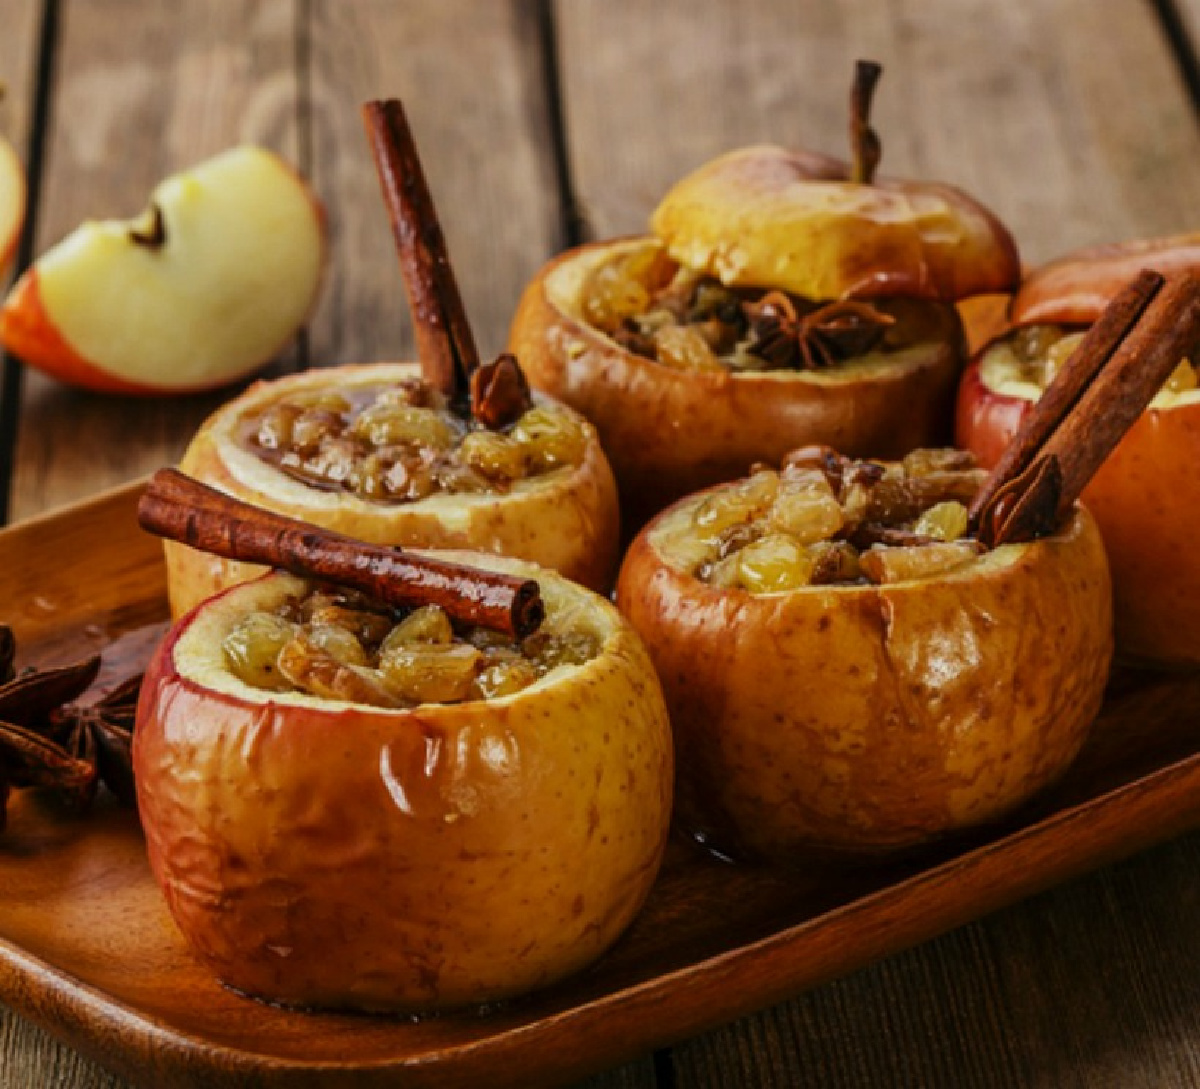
x,y
783,298
391,780
860,657
1136,495
450,453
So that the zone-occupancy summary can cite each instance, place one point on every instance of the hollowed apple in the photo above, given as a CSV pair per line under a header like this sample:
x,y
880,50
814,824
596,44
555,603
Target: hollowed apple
x,y
566,519
203,288
342,855
853,717
750,322
670,431
1138,498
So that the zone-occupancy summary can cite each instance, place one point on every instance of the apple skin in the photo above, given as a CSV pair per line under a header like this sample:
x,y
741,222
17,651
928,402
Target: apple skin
x,y
758,216
354,857
567,522
857,720
668,432
12,204
1138,498
1075,289
116,341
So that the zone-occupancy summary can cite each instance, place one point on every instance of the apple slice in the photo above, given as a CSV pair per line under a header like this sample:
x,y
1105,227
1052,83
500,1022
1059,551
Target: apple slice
x,y
12,203
204,287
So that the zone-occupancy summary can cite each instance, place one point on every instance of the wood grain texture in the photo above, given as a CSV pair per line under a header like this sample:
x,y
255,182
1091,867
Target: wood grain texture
x,y
1189,11
470,79
1027,106
1091,986
143,89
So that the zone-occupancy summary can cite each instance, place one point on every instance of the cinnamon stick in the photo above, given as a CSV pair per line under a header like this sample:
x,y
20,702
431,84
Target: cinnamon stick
x,y
1105,386
183,509
445,344
866,149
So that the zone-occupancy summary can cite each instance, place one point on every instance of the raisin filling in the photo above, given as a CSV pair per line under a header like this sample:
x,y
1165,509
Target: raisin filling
x,y
401,442
340,645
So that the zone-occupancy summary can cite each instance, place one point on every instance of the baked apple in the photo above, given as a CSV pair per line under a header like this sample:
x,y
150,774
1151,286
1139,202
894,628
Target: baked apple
x,y
375,452
1137,496
846,671
12,203
204,287
783,298
352,806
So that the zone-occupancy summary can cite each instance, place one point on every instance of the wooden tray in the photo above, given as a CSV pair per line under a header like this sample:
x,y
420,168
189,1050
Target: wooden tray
x,y
87,949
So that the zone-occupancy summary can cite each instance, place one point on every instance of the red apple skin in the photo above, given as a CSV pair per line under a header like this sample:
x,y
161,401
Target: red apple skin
x,y
27,331
1075,288
404,860
1139,500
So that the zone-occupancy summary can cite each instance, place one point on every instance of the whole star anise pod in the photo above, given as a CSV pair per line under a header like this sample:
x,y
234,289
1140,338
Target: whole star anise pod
x,y
49,741
787,338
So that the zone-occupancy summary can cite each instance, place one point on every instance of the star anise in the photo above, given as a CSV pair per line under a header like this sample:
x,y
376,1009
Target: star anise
x,y
820,337
49,741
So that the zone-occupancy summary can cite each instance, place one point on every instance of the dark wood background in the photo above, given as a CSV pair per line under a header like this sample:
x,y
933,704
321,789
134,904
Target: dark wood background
x,y
545,123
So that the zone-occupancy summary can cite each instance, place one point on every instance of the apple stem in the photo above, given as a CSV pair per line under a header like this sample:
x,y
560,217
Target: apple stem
x,y
865,145
153,236
445,344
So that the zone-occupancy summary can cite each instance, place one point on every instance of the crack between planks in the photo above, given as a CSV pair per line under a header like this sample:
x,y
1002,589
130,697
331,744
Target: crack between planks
x,y
573,226
12,378
1183,48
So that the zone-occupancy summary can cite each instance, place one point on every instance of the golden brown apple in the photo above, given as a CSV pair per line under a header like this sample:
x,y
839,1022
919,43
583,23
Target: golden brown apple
x,y
902,694
565,518
741,328
325,853
203,288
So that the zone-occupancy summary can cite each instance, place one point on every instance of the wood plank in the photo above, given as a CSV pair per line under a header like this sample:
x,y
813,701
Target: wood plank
x,y
971,89
142,91
470,78
1189,11
1091,985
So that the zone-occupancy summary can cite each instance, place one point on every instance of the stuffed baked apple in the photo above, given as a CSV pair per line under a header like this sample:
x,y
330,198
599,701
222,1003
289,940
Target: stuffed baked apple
x,y
1138,496
376,452
783,298
356,804
447,454
847,670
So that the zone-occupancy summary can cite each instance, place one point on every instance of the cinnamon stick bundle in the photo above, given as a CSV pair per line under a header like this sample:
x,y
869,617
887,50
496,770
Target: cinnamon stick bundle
x,y
182,509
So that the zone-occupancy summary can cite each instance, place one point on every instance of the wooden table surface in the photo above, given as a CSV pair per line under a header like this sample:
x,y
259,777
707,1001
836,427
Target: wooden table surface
x,y
546,123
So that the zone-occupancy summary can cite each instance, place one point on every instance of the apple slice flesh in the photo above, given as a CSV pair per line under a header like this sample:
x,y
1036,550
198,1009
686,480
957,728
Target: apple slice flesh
x,y
12,203
203,288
